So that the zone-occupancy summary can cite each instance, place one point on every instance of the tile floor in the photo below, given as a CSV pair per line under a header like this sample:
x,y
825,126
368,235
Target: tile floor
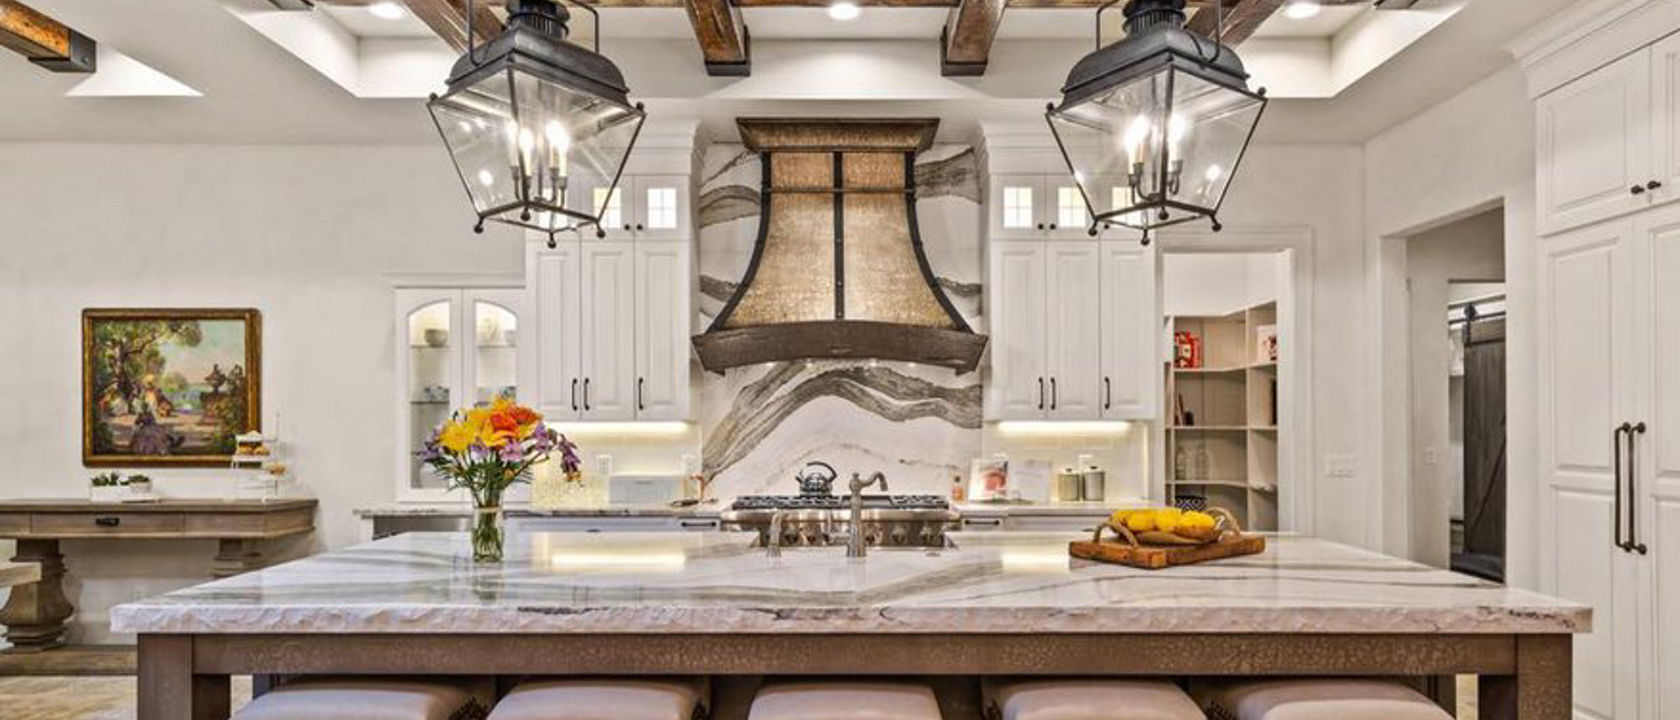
x,y
81,698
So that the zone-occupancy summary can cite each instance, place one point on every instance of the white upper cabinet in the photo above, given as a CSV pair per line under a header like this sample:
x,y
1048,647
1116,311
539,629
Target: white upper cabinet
x,y
1595,149
1016,310
609,331
1035,206
552,280
1131,330
1665,130
1074,317
641,207
663,328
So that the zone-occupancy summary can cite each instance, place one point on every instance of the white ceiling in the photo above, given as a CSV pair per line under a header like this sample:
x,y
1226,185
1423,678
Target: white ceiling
x,y
254,91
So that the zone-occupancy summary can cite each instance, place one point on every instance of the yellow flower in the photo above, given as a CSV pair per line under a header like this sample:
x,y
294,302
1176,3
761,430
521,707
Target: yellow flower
x,y
457,436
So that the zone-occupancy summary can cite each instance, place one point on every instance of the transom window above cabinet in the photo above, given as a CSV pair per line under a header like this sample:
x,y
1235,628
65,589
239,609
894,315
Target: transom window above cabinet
x,y
1037,206
647,207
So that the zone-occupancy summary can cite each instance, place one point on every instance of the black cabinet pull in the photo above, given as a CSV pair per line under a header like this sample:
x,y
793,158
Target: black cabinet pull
x,y
1052,226
1654,184
1637,189
1633,543
639,405
1616,466
698,523
107,521
638,226
1041,393
1041,226
586,393
626,226
574,394
1108,394
1054,396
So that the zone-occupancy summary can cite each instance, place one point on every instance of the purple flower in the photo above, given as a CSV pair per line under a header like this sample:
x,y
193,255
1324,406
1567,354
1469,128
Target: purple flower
x,y
512,452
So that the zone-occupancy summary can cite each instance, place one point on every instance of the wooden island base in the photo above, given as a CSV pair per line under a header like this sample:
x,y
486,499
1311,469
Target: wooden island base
x,y
186,677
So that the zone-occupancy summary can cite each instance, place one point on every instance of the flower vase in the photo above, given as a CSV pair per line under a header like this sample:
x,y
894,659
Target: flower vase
x,y
487,533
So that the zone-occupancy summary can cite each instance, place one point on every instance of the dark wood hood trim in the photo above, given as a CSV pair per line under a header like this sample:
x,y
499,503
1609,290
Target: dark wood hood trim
x,y
720,350
838,134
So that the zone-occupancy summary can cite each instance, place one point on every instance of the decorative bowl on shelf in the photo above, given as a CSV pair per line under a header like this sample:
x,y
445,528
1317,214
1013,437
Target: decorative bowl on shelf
x,y
436,337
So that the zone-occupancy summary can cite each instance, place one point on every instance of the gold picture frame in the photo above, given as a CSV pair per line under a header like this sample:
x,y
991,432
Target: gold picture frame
x,y
147,400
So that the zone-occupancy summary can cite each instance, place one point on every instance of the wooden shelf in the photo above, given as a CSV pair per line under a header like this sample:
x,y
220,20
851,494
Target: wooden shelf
x,y
1210,371
1208,428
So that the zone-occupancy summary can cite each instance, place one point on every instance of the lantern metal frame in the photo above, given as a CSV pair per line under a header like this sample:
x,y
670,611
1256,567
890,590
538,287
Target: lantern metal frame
x,y
1157,43
534,44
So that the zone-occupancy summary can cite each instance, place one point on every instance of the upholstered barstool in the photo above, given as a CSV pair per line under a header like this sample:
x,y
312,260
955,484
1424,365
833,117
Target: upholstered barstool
x,y
1088,699
365,699
844,700
605,699
1317,699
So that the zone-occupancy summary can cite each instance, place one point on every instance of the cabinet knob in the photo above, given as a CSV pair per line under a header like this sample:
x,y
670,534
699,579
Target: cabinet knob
x,y
1052,226
1041,226
1654,184
626,226
1637,189
638,227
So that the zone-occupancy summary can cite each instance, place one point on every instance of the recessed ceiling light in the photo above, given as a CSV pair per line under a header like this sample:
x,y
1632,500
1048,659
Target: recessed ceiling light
x,y
1301,10
844,10
387,10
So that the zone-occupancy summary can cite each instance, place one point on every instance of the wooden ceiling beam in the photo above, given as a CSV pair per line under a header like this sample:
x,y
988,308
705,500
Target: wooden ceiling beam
x,y
45,41
448,19
965,43
1242,18
1035,4
723,37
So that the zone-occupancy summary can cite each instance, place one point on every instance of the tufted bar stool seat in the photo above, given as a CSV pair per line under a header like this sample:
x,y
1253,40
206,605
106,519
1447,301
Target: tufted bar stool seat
x,y
604,699
1088,699
1318,699
365,699
844,700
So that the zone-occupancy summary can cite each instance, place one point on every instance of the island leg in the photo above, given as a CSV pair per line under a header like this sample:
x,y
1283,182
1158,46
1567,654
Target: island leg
x,y
234,557
34,614
168,688
1540,689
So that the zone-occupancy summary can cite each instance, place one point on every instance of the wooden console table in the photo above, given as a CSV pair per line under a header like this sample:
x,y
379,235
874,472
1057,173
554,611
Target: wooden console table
x,y
34,614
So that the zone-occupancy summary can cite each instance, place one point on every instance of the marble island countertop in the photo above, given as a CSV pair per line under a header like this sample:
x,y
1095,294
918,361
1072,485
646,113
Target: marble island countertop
x,y
996,582
713,509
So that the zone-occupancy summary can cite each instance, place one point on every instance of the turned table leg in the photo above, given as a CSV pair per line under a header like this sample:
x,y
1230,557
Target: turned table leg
x,y
234,557
168,687
34,614
1541,687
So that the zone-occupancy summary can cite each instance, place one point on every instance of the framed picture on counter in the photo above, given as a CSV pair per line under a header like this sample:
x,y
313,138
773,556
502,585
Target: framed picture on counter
x,y
169,387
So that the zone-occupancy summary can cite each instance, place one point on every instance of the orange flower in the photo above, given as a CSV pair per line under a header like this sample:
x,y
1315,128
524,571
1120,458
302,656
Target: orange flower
x,y
524,415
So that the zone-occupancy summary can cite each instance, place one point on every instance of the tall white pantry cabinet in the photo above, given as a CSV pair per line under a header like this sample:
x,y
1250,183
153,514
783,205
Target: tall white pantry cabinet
x,y
1606,83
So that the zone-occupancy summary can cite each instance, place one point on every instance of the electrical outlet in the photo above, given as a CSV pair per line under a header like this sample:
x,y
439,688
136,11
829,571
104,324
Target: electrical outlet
x,y
1339,466
1429,457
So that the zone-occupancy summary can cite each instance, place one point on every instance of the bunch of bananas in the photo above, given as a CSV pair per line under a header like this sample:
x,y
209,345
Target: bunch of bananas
x,y
1188,524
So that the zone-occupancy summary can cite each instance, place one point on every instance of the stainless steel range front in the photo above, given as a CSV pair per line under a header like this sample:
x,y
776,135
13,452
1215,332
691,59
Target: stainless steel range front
x,y
817,517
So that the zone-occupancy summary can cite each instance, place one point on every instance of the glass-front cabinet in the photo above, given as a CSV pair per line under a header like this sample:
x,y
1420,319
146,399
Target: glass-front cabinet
x,y
455,347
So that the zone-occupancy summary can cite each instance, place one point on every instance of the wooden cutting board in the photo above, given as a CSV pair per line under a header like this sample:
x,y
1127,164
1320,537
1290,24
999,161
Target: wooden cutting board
x,y
1155,557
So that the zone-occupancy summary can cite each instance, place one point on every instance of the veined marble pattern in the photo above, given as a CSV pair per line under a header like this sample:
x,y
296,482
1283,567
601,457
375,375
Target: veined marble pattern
x,y
717,583
920,425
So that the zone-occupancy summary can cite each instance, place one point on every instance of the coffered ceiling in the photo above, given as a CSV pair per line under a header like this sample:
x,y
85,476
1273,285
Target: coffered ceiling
x,y
345,75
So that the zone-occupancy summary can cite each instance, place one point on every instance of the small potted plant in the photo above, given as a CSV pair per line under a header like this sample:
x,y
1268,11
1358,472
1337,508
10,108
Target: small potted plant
x,y
139,485
106,487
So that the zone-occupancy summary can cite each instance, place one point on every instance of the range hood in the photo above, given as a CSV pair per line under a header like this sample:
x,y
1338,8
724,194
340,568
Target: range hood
x,y
838,270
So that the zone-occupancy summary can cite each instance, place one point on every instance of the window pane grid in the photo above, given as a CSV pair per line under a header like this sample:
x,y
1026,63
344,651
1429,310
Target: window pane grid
x,y
1070,208
612,214
662,208
1017,207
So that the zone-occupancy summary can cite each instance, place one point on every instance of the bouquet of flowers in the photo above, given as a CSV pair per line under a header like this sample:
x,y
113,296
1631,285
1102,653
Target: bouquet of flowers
x,y
486,450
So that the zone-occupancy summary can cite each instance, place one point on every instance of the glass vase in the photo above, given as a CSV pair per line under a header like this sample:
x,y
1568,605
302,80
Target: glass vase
x,y
487,533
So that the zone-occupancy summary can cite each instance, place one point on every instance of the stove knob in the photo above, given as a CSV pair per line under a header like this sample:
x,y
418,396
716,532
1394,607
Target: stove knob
x,y
900,535
930,536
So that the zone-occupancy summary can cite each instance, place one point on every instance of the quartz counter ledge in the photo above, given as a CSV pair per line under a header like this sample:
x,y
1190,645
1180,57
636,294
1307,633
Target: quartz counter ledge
x,y
562,583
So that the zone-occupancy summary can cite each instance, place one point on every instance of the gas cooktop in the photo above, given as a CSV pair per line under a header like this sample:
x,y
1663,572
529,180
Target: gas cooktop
x,y
837,502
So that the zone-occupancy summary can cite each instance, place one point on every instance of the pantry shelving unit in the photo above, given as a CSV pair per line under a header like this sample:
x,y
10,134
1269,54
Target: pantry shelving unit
x,y
1221,418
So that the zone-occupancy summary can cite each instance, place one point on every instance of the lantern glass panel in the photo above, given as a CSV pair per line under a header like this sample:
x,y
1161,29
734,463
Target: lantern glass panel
x,y
1216,122
1112,142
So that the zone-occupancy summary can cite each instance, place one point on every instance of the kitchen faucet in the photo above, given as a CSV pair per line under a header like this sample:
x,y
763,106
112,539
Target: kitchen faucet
x,y
855,547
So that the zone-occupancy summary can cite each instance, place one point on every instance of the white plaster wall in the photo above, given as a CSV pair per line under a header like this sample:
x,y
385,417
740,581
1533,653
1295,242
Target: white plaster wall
x,y
302,233
1471,152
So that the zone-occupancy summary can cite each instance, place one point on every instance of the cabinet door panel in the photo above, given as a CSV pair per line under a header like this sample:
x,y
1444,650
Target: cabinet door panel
x,y
1064,213
1665,118
617,208
1131,325
1074,320
609,331
662,326
1586,370
557,330
1657,261
661,207
1594,145
1015,309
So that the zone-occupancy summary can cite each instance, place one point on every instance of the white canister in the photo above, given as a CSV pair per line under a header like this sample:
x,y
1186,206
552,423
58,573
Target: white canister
x,y
1095,485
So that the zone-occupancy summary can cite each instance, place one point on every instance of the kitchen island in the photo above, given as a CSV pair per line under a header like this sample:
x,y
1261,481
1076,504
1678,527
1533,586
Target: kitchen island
x,y
712,604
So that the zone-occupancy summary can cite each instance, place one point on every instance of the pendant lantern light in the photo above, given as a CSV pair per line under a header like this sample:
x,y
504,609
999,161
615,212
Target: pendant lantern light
x,y
1154,125
539,128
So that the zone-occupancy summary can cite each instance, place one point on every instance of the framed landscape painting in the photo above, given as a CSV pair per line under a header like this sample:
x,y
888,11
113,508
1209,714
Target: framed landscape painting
x,y
169,387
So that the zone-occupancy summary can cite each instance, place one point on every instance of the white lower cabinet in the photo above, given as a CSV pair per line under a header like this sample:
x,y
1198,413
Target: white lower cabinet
x,y
1610,455
1072,325
612,326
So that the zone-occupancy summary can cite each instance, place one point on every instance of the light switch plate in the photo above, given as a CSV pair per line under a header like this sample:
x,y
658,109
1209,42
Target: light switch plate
x,y
1339,466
